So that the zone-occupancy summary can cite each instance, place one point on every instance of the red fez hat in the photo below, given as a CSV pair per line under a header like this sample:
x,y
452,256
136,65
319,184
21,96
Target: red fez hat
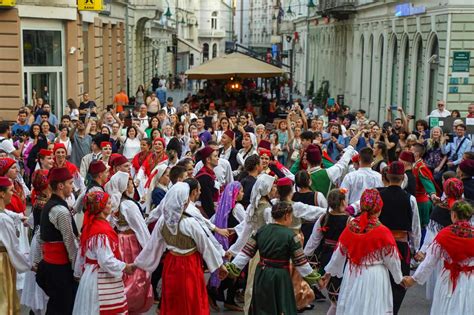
x,y
407,156
265,144
58,146
5,164
162,140
96,167
105,143
119,160
313,154
59,174
285,181
230,134
356,158
5,181
263,151
467,167
396,168
206,152
44,152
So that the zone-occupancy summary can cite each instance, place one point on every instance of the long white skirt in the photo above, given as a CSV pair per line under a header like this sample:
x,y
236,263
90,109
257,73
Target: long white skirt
x,y
32,295
367,291
461,301
431,282
24,248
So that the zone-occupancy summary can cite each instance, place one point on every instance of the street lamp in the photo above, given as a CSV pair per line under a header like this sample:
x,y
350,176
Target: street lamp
x,y
311,4
168,13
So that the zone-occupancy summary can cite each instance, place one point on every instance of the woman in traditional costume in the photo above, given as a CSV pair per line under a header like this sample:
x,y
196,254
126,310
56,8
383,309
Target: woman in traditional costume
x,y
32,296
9,168
133,235
371,252
277,244
98,265
183,286
255,219
156,187
440,218
12,260
324,238
454,248
142,156
156,157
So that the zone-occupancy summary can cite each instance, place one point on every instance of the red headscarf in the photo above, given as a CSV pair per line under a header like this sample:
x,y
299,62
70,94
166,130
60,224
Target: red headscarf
x,y
365,239
94,204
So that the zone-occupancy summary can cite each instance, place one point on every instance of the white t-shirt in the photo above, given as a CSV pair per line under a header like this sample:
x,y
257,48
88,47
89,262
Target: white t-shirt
x,y
131,147
438,113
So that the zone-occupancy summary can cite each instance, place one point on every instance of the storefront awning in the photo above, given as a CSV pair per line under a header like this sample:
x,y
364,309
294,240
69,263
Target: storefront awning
x,y
234,65
186,46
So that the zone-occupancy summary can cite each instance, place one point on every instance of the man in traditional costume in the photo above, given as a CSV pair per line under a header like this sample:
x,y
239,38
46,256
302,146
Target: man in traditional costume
x,y
425,185
58,237
208,181
188,244
99,173
11,258
400,215
465,172
454,248
323,180
371,252
408,158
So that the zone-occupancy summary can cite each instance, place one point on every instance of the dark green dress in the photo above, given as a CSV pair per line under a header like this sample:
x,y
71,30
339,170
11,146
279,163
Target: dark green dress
x,y
273,290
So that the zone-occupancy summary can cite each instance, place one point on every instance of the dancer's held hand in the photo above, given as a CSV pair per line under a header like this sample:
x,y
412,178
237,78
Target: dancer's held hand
x,y
129,269
408,282
323,282
224,232
419,256
222,272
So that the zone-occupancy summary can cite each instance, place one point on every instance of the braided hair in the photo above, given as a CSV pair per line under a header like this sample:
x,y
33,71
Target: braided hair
x,y
335,198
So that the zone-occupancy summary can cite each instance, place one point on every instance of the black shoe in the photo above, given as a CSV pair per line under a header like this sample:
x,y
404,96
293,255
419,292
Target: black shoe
x,y
318,296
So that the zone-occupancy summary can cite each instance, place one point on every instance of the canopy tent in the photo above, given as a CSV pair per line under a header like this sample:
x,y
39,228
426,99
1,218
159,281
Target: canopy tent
x,y
234,65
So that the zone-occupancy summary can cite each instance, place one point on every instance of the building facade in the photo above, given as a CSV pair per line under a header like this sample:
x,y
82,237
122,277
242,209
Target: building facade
x,y
378,54
50,49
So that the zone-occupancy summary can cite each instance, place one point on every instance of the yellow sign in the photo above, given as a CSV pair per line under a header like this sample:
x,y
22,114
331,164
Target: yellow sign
x,y
7,3
89,5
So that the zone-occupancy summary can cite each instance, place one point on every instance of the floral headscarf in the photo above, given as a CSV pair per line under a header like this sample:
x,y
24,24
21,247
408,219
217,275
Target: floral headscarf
x,y
370,204
173,209
454,189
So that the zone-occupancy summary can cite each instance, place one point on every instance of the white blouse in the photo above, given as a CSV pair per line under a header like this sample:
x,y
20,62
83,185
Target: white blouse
x,y
10,241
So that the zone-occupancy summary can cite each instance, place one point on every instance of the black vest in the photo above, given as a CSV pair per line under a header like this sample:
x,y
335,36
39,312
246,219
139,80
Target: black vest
x,y
396,213
411,186
49,233
93,184
468,189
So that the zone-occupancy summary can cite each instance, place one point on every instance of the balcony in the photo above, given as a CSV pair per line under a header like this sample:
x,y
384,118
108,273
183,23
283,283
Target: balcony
x,y
340,9
211,33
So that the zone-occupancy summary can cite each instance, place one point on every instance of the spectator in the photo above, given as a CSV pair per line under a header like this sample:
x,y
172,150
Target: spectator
x,y
434,157
72,109
140,95
87,107
21,126
53,120
161,94
120,100
470,111
6,143
170,109
153,104
81,142
143,117
457,147
455,114
440,111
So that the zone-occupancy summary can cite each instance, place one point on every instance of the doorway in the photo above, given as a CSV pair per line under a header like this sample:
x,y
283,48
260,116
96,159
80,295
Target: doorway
x,y
47,85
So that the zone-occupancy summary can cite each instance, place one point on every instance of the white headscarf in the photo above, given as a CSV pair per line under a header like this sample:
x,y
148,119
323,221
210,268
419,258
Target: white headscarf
x,y
263,186
174,203
116,186
160,169
253,138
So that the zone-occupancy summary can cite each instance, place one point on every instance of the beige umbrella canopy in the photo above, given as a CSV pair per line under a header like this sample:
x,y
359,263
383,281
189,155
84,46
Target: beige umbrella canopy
x,y
234,65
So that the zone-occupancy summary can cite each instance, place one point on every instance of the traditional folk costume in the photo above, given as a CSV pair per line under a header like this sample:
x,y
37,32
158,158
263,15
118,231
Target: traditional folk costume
x,y
101,289
183,288
272,287
210,187
32,296
243,154
454,248
439,219
58,235
371,252
96,167
155,191
425,187
255,219
133,235
275,168
400,215
11,260
144,174
323,180
323,241
17,205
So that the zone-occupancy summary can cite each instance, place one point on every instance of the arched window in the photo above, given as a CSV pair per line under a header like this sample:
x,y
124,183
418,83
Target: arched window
x,y
214,51
205,52
214,20
393,94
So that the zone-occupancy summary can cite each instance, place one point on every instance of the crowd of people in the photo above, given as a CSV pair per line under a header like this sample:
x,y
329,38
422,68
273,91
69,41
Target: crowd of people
x,y
265,206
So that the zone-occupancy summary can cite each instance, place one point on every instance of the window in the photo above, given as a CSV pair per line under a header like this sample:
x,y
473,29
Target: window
x,y
42,48
205,52
191,59
214,51
214,20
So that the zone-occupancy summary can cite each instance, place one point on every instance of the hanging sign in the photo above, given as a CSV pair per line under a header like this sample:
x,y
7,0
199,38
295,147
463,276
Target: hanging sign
x,y
7,3
461,64
90,5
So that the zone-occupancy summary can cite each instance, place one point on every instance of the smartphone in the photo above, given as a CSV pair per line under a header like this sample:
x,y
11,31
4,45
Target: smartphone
x,y
393,107
450,138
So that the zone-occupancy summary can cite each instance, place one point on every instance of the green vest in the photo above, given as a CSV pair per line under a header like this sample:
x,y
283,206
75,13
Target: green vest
x,y
320,181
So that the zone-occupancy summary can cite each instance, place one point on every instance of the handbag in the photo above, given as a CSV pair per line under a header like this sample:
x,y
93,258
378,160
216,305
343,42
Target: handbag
x,y
455,155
